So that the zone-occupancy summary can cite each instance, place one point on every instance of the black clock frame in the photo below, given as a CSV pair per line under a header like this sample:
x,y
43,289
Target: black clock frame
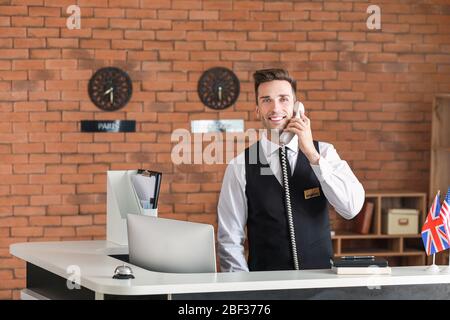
x,y
215,80
110,76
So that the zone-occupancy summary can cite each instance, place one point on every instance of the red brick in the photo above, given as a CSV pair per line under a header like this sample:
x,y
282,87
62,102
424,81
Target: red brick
x,y
220,25
203,15
45,53
45,200
126,44
92,148
14,222
27,21
5,65
265,56
294,56
122,4
321,35
45,221
248,5
324,15
26,189
58,189
185,187
234,15
262,35
62,43
158,4
60,64
27,232
278,6
192,25
14,262
292,36
6,274
91,231
78,158
95,44
277,26
29,43
14,75
264,16
208,56
76,220
59,231
155,24
140,35
200,35
110,54
14,10
222,5
58,210
44,12
171,35
12,284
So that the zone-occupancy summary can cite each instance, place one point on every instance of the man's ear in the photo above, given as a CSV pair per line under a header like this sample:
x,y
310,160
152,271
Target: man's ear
x,y
258,114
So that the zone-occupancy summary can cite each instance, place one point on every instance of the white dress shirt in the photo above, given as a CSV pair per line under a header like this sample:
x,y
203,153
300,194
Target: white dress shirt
x,y
340,186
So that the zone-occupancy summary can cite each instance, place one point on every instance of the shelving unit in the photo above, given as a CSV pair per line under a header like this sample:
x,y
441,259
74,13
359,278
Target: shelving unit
x,y
440,154
399,250
440,145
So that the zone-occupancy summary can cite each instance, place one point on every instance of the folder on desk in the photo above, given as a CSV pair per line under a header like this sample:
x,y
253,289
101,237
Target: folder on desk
x,y
147,184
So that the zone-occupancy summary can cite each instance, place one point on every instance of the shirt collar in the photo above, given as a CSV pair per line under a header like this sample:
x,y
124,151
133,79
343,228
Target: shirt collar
x,y
270,147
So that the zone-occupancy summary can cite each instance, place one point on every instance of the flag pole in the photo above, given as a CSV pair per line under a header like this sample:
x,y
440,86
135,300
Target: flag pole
x,y
433,268
447,269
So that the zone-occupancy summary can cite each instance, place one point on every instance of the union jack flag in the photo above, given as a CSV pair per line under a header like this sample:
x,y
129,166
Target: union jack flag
x,y
434,231
445,211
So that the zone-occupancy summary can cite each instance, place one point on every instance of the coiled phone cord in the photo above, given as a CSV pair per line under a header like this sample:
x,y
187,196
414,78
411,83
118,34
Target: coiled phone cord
x,y
287,196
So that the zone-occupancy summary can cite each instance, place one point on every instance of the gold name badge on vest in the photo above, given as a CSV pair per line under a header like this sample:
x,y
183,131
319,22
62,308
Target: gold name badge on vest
x,y
312,193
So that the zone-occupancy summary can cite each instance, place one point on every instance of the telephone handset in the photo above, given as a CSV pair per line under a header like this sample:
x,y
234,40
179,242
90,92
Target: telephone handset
x,y
299,109
285,138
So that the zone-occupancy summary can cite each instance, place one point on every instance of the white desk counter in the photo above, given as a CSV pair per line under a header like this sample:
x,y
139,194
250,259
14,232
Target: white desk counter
x,y
97,268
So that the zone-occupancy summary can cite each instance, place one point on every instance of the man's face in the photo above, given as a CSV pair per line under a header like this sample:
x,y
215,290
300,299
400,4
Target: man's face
x,y
275,104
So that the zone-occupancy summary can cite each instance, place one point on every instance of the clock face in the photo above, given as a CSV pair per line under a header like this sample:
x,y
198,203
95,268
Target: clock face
x,y
110,88
218,88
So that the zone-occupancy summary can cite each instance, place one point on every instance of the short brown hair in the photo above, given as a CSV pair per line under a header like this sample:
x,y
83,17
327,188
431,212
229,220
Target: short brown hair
x,y
266,75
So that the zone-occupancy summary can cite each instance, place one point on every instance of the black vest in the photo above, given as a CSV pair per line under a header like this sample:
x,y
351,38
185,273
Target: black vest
x,y
267,226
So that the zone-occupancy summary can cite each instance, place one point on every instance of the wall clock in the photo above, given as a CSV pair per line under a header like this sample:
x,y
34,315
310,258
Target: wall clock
x,y
110,88
218,88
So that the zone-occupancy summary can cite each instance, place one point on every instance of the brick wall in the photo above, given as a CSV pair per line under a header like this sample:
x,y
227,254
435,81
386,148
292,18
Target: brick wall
x,y
368,92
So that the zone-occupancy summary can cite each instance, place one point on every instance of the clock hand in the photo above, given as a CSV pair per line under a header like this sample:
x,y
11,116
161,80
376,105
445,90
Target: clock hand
x,y
108,91
111,96
220,93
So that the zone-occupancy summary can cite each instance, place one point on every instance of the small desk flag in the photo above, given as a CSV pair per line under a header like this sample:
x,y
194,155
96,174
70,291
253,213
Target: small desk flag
x,y
445,211
434,231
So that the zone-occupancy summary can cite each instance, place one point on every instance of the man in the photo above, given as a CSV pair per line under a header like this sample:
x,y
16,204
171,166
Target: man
x,y
255,201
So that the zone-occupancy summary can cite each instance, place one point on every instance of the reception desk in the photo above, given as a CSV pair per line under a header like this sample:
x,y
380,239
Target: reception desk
x,y
91,264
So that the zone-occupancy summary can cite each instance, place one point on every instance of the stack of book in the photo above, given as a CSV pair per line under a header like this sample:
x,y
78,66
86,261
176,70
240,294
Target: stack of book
x,y
360,265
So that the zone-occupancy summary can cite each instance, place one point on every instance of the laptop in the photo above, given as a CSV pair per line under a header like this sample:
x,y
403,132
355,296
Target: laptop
x,y
172,246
